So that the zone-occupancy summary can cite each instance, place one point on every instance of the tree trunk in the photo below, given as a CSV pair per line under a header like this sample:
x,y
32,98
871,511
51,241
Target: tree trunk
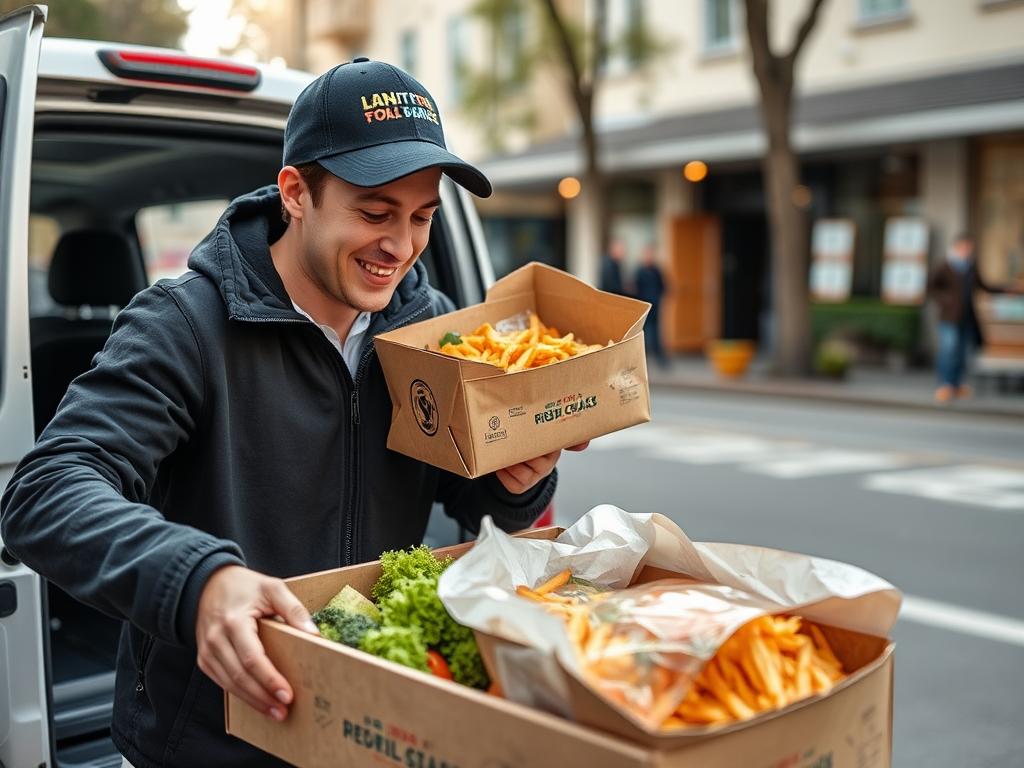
x,y
775,78
789,242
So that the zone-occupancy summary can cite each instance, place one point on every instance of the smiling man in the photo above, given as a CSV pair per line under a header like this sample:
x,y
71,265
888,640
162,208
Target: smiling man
x,y
233,430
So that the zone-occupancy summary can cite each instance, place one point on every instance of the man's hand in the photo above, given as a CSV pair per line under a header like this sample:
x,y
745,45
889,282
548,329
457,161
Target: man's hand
x,y
519,478
230,652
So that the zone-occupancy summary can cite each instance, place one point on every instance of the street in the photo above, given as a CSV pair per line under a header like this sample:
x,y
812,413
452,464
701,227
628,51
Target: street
x,y
932,502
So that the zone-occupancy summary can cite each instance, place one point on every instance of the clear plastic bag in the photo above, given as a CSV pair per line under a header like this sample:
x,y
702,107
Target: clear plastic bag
x,y
643,647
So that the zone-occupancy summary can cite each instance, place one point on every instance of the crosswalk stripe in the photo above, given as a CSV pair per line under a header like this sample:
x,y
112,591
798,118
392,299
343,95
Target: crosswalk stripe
x,y
967,621
974,484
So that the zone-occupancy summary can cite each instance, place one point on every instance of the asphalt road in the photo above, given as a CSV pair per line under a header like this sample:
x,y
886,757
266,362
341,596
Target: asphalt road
x,y
932,502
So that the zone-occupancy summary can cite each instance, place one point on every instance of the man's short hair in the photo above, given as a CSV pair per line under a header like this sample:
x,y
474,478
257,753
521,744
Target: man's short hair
x,y
315,176
963,236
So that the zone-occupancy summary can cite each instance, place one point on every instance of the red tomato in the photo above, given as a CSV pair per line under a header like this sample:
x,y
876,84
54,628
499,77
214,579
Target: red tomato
x,y
438,666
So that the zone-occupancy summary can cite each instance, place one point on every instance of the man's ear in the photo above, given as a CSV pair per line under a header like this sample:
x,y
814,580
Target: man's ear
x,y
294,192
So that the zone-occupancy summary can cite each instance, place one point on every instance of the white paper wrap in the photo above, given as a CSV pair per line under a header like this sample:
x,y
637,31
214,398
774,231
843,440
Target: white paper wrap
x,y
607,546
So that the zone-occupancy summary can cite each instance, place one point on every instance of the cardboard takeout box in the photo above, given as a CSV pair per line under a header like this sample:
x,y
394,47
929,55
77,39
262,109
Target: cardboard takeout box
x,y
473,418
354,709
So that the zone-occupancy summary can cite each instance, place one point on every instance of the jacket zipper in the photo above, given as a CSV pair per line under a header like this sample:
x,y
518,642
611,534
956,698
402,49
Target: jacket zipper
x,y
147,646
350,552
352,507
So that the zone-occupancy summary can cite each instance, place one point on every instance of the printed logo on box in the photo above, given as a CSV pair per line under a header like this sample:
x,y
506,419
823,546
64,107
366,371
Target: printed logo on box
x,y
565,408
494,434
424,407
392,743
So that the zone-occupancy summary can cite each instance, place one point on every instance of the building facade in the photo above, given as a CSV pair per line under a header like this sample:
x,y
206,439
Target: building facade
x,y
905,109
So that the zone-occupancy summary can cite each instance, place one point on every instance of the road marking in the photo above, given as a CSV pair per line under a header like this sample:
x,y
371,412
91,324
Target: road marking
x,y
704,448
974,484
784,459
825,461
967,621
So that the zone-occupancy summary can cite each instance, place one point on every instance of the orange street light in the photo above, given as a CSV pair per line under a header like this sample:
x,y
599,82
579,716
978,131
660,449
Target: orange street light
x,y
569,187
695,170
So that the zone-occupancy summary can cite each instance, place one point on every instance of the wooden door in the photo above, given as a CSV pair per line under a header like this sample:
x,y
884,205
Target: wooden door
x,y
693,310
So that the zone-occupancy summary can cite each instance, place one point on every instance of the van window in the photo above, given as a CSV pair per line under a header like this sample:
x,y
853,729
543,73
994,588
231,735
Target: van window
x,y
168,233
43,234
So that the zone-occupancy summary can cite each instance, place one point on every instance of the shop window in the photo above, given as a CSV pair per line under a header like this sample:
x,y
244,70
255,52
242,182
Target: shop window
x,y
458,41
881,11
407,45
721,26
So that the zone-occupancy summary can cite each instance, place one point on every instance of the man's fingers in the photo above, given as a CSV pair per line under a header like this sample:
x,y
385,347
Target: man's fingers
x,y
216,672
542,464
580,447
253,661
521,472
509,481
287,606
223,666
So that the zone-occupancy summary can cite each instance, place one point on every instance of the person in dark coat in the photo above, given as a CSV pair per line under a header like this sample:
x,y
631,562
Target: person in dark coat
x,y
611,268
650,287
952,286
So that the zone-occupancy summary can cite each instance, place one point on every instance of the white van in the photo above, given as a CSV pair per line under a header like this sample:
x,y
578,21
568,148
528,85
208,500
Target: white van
x,y
113,159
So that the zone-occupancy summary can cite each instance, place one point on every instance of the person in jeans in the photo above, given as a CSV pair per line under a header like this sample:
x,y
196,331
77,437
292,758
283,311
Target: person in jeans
x,y
952,286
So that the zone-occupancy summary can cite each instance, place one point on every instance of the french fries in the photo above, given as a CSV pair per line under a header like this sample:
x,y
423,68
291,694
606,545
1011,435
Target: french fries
x,y
532,347
768,663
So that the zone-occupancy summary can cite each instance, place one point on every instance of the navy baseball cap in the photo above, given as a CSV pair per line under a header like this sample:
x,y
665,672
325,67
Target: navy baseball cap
x,y
369,123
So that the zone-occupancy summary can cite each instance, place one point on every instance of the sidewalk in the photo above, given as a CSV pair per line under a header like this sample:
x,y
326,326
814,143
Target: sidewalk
x,y
912,388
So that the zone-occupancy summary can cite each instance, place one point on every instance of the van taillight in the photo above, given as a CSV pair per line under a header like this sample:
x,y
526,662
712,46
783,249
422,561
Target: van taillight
x,y
180,69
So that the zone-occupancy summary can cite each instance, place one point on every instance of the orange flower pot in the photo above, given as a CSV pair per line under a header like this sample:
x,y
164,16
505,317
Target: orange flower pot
x,y
730,358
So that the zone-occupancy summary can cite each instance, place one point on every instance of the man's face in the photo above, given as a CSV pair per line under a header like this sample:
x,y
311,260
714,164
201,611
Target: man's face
x,y
360,242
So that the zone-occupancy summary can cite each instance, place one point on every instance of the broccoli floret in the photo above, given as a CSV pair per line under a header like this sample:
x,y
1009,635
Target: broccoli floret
x,y
341,626
402,645
406,564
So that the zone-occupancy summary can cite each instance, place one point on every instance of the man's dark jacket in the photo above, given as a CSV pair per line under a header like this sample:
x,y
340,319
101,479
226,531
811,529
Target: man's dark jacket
x,y
218,426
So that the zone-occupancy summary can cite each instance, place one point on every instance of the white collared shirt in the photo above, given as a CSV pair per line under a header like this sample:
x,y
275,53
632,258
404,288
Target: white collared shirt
x,y
350,350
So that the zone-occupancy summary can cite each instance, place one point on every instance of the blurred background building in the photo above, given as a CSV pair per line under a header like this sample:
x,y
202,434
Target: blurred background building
x,y
905,108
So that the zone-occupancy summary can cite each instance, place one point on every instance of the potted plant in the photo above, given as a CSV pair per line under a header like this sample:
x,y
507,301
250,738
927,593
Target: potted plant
x,y
730,358
833,358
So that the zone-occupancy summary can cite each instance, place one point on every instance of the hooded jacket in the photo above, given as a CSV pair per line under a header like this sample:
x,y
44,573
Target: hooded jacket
x,y
218,426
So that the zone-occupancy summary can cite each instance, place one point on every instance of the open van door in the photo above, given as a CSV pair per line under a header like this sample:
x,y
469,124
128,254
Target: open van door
x,y
24,730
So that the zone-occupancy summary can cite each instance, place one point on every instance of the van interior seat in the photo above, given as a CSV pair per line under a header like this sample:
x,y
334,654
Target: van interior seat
x,y
91,268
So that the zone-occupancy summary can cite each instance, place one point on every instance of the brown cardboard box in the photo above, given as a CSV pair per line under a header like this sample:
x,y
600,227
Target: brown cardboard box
x,y
473,418
353,709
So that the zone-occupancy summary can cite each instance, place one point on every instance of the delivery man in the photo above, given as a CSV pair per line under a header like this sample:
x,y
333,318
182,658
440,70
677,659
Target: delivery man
x,y
233,429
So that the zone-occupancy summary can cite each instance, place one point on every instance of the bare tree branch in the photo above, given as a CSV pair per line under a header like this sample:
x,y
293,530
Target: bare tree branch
x,y
577,86
805,29
760,45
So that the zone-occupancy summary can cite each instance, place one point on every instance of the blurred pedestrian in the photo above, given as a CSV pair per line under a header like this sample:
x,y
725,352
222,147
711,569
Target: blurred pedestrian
x,y
952,286
650,287
611,268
